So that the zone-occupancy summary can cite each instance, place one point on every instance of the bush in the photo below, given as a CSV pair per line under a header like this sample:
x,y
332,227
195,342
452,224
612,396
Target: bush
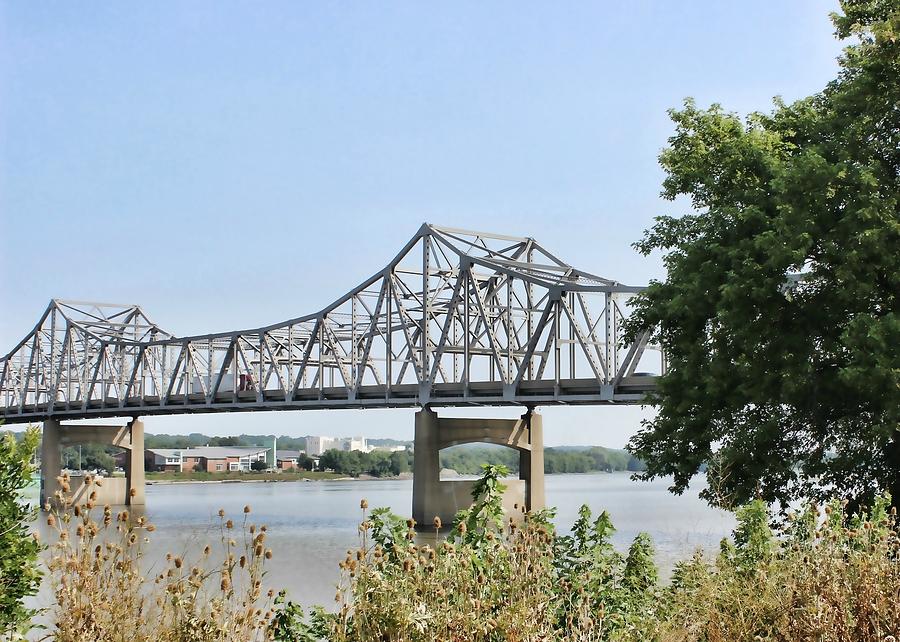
x,y
822,578
828,578
20,576
493,578
102,593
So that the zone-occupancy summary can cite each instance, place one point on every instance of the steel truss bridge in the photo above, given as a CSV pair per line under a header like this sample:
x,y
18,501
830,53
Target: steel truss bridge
x,y
457,318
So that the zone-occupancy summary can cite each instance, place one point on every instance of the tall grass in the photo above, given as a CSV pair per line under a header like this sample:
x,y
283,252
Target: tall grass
x,y
494,577
103,593
822,576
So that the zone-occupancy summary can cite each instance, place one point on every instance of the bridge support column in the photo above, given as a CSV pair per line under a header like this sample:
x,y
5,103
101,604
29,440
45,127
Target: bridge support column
x,y
426,468
115,490
51,460
134,465
531,462
435,498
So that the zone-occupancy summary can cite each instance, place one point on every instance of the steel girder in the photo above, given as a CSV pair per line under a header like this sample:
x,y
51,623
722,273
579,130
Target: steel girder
x,y
456,318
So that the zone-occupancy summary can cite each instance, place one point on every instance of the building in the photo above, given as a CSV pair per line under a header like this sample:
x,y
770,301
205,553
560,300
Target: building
x,y
288,459
318,444
163,459
213,459
389,449
355,443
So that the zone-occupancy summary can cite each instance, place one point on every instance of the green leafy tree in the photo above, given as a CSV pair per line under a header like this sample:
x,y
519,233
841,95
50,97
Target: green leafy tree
x,y
400,462
90,457
779,313
304,462
19,573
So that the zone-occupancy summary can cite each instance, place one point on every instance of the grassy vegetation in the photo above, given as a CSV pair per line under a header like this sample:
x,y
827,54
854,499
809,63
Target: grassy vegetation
x,y
240,476
104,594
20,574
822,576
468,459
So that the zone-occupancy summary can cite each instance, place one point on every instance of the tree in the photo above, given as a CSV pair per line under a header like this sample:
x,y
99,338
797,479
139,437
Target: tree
x,y
19,573
400,462
779,312
332,459
305,462
90,457
258,465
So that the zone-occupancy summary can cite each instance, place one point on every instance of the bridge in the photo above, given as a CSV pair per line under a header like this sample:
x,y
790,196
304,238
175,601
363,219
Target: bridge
x,y
456,318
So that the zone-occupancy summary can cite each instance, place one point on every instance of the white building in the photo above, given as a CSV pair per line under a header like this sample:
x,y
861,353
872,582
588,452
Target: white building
x,y
318,444
388,449
354,443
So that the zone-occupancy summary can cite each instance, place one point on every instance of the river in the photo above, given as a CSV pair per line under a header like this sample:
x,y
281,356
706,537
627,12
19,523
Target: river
x,y
312,524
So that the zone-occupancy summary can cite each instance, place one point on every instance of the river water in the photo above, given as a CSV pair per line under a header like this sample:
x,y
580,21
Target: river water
x,y
312,524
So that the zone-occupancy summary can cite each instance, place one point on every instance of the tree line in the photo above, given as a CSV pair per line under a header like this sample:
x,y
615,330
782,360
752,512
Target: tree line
x,y
468,460
378,463
197,439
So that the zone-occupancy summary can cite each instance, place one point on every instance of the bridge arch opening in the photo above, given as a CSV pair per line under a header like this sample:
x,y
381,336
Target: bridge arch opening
x,y
55,437
434,497
466,459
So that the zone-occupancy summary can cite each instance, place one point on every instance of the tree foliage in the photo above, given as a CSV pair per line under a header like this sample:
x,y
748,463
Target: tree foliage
x,y
90,456
468,459
19,573
378,463
779,312
199,439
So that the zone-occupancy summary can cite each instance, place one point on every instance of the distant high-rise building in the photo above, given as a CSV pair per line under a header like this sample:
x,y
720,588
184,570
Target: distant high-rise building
x,y
355,443
318,444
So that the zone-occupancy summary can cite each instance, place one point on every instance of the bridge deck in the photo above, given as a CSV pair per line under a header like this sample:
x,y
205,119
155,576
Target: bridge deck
x,y
632,390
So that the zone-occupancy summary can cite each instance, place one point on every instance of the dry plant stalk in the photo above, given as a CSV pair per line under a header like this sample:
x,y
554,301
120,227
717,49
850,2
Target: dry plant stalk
x,y
103,595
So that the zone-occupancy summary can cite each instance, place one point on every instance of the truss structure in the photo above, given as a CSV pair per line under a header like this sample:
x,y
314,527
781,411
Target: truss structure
x,y
456,318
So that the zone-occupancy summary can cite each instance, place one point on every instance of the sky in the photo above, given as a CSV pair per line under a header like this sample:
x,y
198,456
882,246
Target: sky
x,y
229,165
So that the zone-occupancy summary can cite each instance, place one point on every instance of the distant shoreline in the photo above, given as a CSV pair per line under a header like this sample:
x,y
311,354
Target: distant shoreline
x,y
270,478
280,478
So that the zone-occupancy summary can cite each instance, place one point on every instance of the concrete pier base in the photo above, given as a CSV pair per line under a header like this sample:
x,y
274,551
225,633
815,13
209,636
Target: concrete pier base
x,y
51,461
435,498
130,437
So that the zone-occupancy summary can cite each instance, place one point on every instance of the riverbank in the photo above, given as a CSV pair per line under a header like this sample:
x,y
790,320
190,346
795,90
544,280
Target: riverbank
x,y
235,476
173,477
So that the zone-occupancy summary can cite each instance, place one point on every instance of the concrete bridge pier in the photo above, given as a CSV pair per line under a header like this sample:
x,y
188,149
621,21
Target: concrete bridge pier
x,y
435,498
115,490
51,460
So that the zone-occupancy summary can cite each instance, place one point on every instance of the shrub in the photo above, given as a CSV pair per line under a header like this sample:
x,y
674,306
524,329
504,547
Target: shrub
x,y
20,576
828,578
102,593
819,577
822,576
493,578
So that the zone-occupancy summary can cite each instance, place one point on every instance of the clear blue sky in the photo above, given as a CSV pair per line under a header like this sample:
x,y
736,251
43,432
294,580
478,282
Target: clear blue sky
x,y
231,164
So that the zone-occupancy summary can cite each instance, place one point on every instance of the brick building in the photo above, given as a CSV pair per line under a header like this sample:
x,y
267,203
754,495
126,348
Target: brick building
x,y
212,459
